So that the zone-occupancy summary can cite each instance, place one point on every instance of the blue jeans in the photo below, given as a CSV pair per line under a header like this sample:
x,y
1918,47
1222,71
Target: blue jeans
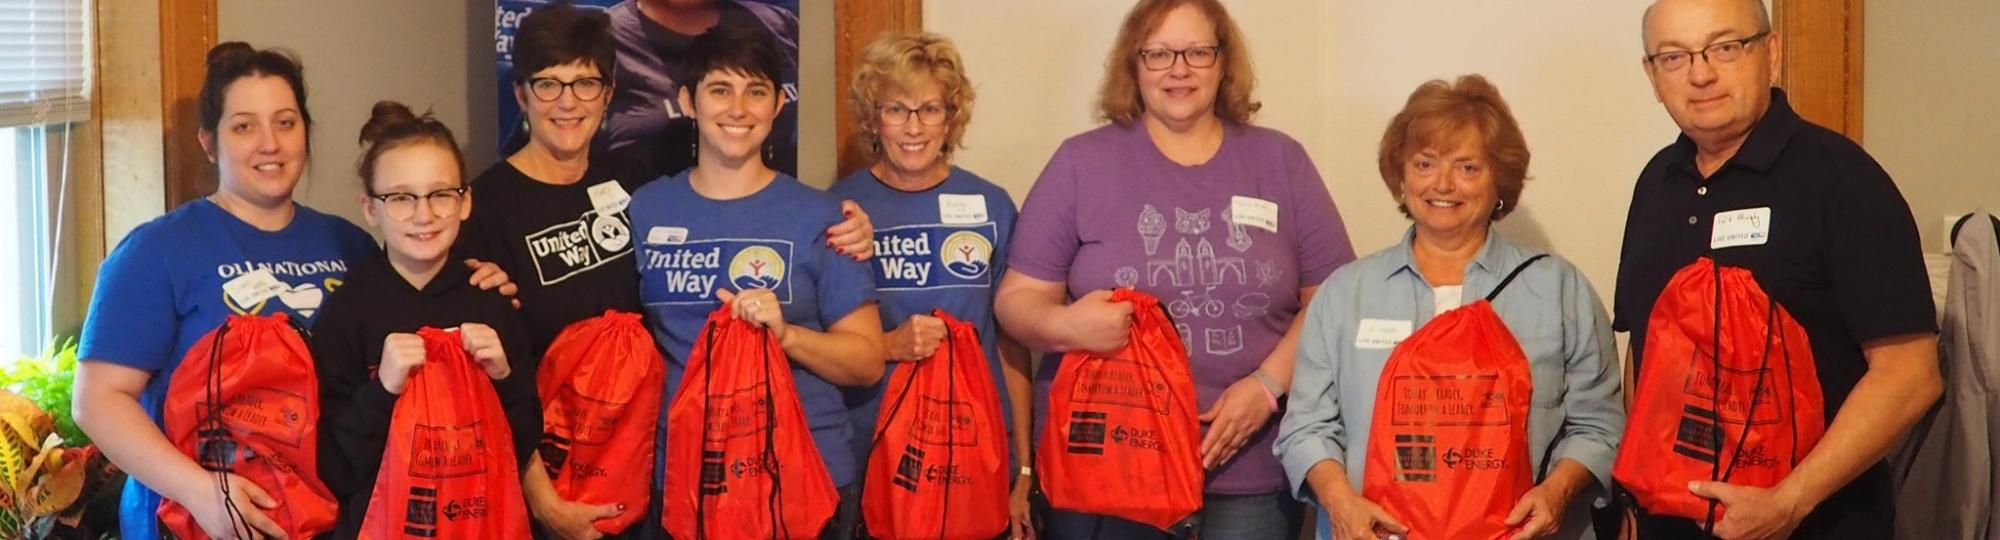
x,y
1267,516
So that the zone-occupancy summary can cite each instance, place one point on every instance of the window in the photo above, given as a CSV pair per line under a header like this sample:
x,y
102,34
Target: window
x,y
45,61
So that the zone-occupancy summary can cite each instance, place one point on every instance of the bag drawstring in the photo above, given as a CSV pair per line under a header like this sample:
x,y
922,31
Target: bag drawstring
x,y
779,529
1717,472
225,444
702,477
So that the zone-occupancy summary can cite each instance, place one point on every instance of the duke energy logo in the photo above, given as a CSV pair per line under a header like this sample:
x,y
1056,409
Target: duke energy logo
x,y
933,256
690,272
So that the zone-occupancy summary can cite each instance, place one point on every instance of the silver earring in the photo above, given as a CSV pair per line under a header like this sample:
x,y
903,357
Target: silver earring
x,y
1500,207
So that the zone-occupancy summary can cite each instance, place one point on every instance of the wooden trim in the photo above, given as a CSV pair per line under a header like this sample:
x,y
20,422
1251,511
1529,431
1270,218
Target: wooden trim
x,y
187,31
856,23
1822,66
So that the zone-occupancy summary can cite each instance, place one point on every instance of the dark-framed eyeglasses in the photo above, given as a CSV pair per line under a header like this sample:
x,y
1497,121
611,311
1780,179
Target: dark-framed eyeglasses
x,y
551,89
1722,52
402,206
931,113
1196,57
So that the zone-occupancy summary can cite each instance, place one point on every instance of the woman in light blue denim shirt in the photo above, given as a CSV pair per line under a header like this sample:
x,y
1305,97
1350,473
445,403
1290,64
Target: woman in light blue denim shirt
x,y
1455,161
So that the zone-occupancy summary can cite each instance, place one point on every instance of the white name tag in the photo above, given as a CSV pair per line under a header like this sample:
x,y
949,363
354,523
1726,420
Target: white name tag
x,y
961,209
1747,227
1380,333
609,198
667,235
251,288
1254,212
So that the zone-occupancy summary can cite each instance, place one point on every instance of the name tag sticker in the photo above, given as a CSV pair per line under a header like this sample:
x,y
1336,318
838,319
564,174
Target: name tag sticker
x,y
251,288
1380,333
1254,212
609,198
955,209
1746,227
667,235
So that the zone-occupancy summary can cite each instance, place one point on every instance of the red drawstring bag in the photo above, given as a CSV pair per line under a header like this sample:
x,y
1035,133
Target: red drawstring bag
x,y
1749,426
1122,427
939,468
1448,453
740,460
245,400
600,383
448,470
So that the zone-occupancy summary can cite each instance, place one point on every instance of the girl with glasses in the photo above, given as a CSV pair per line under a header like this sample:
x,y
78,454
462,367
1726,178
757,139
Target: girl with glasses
x,y
366,345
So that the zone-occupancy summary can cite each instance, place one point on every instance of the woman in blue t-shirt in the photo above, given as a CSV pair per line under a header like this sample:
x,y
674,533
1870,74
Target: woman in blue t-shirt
x,y
171,281
943,230
734,231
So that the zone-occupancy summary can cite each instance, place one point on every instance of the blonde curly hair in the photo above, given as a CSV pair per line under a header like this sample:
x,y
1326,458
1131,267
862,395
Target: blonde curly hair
x,y
900,63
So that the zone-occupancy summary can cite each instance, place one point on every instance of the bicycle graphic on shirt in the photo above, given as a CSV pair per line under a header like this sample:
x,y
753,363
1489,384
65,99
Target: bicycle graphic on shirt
x,y
1190,305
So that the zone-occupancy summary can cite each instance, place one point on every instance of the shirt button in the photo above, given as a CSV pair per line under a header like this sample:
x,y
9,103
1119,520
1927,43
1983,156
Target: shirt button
x,y
1703,190
1691,220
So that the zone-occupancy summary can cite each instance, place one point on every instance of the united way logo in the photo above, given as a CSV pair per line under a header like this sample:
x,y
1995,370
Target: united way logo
x,y
967,254
757,267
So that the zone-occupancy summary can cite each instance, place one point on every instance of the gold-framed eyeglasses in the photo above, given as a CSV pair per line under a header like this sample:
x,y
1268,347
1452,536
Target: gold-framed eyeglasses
x,y
1160,59
551,89
1723,52
402,206
931,113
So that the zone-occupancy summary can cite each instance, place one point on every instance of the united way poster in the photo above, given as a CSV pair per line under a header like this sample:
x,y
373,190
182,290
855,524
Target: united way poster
x,y
645,122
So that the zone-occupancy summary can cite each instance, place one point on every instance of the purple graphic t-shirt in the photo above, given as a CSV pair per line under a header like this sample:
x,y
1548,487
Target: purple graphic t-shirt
x,y
1225,246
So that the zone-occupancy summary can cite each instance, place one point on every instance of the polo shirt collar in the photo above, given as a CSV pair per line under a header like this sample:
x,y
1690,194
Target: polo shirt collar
x,y
1760,150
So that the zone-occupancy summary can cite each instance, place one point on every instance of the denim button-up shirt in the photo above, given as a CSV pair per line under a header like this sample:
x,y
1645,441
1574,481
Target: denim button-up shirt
x,y
1577,409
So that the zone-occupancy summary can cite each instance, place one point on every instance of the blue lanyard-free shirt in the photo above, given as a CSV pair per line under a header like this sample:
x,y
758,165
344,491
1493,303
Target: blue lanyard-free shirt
x,y
774,239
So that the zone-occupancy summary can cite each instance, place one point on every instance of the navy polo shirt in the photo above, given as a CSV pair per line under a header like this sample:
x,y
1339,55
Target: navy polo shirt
x,y
1842,255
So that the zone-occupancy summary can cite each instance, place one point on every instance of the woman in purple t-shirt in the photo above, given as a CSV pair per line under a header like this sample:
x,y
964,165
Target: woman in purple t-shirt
x,y
1228,224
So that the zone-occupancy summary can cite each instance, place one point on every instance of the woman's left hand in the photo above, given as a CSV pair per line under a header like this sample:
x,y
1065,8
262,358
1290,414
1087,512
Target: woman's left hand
x,y
1235,417
854,236
1539,513
759,307
1019,514
488,276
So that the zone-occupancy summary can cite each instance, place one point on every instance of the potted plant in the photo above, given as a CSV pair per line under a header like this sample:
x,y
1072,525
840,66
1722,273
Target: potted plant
x,y
51,477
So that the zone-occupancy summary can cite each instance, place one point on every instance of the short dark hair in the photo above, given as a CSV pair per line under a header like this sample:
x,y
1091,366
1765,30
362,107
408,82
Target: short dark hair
x,y
392,125
744,49
563,34
234,60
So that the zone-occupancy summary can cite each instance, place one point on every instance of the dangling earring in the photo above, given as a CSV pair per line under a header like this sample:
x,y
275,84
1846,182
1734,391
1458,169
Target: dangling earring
x,y
769,154
694,149
604,124
524,123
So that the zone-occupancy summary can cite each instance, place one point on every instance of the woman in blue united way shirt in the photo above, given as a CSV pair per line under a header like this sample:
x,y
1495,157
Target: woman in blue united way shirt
x,y
943,231
732,230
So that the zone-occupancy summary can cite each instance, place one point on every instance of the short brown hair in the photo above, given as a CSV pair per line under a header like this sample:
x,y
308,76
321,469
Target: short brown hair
x,y
900,61
1118,99
563,34
1437,113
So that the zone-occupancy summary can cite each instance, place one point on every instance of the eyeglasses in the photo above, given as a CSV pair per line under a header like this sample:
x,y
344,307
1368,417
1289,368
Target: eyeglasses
x,y
931,113
403,206
550,89
1716,53
1196,57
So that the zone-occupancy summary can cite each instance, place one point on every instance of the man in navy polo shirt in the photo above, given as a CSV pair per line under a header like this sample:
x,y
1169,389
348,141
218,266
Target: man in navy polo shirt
x,y
1839,250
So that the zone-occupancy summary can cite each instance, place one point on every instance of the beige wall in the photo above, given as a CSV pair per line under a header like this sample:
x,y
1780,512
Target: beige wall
x,y
1930,111
433,54
1332,74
